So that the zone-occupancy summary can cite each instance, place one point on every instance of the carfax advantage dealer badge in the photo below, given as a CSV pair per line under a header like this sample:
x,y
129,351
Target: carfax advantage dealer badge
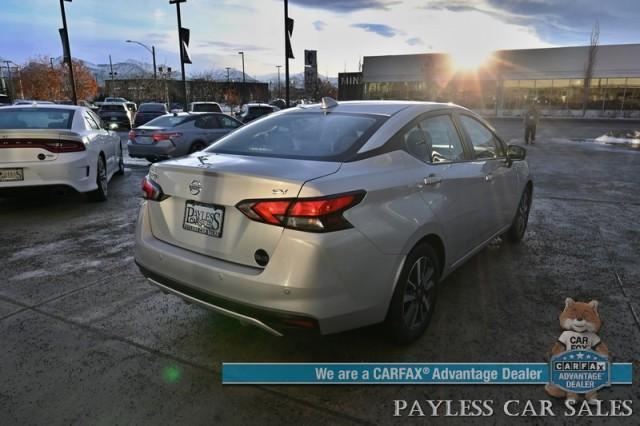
x,y
580,371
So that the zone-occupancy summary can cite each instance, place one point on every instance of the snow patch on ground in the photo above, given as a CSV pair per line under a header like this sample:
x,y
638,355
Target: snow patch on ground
x,y
38,273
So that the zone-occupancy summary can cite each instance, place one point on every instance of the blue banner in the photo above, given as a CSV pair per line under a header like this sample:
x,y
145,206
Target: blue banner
x,y
403,373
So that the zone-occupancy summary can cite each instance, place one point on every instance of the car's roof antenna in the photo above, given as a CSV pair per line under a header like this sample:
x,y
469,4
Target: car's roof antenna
x,y
328,102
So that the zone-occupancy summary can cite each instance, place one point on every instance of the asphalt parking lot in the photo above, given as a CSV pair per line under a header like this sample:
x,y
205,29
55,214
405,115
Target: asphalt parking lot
x,y
84,339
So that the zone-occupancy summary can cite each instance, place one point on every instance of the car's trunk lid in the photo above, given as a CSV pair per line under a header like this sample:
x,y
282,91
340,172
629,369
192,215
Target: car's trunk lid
x,y
203,190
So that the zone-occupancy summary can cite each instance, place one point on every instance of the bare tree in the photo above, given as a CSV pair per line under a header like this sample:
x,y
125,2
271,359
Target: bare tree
x,y
590,65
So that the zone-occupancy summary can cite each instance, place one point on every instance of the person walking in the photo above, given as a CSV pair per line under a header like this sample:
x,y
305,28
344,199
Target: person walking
x,y
531,118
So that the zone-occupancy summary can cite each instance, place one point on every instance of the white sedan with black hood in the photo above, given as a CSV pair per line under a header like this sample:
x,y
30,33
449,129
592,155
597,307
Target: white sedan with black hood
x,y
57,146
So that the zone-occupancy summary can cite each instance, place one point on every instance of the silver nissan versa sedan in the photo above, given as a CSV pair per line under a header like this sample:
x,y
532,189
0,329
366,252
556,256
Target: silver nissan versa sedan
x,y
332,216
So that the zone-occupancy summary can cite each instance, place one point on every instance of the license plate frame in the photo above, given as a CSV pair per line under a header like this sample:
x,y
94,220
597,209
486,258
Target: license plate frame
x,y
15,174
191,221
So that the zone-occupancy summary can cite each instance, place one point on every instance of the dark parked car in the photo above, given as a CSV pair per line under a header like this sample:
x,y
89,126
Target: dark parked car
x,y
116,113
252,111
149,111
5,100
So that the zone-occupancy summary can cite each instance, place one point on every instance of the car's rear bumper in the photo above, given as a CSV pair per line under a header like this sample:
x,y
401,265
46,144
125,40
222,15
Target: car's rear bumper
x,y
68,170
162,149
338,281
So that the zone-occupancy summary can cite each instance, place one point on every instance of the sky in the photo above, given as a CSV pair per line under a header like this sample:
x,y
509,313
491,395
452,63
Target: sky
x,y
342,31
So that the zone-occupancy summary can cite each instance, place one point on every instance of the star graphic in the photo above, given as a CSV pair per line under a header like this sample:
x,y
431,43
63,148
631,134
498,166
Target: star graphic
x,y
571,356
580,355
588,357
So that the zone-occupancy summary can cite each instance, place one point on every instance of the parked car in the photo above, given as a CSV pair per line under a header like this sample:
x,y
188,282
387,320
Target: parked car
x,y
57,145
204,107
250,112
176,107
32,102
178,134
334,216
5,100
148,111
118,113
116,100
131,106
89,105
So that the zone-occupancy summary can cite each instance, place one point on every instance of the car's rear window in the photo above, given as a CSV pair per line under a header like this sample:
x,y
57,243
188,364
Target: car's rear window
x,y
112,108
151,108
304,135
167,121
36,118
206,108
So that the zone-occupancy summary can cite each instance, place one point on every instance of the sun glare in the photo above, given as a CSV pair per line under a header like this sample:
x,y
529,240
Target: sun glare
x,y
470,57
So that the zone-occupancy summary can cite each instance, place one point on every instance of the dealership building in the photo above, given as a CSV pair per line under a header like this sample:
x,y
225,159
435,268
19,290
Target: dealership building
x,y
509,80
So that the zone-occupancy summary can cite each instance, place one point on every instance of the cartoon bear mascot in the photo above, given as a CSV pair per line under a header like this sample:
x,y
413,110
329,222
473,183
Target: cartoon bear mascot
x,y
581,323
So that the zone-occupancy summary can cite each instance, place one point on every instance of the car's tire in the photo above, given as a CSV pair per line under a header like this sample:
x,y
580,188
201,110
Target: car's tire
x,y
414,298
102,192
120,171
197,146
519,225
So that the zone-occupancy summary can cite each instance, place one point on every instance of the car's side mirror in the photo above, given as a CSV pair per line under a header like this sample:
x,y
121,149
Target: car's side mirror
x,y
516,153
113,126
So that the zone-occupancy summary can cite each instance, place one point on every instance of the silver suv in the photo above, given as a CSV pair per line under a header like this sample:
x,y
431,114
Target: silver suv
x,y
333,216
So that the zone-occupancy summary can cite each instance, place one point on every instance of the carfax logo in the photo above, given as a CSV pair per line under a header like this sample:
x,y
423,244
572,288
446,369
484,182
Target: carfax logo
x,y
580,371
580,361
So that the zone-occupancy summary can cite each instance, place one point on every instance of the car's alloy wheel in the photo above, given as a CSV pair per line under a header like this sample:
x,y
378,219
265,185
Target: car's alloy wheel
x,y
100,194
197,146
414,298
520,221
418,293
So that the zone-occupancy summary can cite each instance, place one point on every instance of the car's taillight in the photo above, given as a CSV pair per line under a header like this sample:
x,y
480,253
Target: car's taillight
x,y
157,137
64,146
305,214
132,135
51,145
152,191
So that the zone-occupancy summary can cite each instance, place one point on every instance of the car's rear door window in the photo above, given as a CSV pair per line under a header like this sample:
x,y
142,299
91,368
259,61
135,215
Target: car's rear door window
x,y
485,144
208,121
442,139
228,122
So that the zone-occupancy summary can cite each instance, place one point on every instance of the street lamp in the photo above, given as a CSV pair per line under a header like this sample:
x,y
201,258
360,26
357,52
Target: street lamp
x,y
243,75
227,68
279,66
181,50
151,50
67,50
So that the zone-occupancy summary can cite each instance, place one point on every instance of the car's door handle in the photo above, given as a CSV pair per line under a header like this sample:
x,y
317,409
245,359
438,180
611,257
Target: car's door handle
x,y
432,180
488,177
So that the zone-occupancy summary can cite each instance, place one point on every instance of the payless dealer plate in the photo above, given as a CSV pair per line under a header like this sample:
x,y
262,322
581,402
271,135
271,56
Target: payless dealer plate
x,y
11,175
203,218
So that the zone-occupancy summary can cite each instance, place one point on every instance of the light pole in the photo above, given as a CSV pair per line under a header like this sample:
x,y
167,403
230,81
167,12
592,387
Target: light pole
x,y
67,49
19,76
184,80
9,81
151,50
279,66
227,68
112,74
243,75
